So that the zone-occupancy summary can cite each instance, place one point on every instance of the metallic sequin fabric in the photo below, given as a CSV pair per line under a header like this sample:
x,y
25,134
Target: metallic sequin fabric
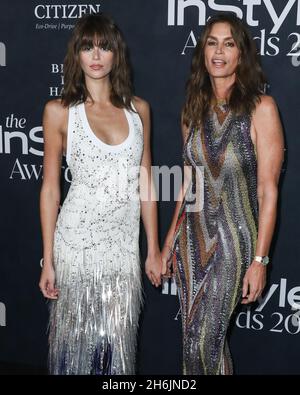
x,y
93,324
214,246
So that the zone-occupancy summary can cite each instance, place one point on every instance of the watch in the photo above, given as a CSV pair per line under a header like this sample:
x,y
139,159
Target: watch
x,y
264,260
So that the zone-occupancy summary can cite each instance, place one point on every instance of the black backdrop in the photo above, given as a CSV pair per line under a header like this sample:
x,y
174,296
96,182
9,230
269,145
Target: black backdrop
x,y
161,35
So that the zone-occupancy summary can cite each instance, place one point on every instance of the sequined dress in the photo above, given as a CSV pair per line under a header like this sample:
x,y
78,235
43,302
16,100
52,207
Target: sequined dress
x,y
93,324
215,237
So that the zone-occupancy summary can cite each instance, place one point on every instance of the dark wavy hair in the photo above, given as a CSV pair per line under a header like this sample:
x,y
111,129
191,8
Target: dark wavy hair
x,y
102,29
249,83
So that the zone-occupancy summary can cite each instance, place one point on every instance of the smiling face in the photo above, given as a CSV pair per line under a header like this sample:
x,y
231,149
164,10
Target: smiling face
x,y
221,52
96,60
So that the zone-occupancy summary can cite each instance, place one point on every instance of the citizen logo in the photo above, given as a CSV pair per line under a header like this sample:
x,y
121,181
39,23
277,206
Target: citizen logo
x,y
2,55
176,11
64,11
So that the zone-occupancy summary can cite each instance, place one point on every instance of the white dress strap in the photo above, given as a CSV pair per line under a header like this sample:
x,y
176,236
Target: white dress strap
x,y
133,106
137,116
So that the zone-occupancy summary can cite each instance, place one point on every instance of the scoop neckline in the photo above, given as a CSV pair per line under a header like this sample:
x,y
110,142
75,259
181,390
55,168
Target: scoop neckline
x,y
97,140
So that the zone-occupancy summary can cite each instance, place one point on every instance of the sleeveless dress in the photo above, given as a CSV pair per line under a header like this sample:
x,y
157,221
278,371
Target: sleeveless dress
x,y
215,241
93,323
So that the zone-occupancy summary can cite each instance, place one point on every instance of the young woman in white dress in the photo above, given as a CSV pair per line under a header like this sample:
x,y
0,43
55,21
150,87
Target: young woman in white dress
x,y
91,271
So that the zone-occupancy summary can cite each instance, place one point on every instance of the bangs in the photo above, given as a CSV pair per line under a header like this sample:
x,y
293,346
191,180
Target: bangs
x,y
100,31
98,35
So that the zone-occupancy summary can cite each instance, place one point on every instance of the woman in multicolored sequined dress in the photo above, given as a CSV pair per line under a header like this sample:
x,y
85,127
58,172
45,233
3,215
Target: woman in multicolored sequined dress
x,y
91,268
219,239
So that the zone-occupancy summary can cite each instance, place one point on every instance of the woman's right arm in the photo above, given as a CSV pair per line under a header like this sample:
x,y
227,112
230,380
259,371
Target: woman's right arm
x,y
170,235
54,122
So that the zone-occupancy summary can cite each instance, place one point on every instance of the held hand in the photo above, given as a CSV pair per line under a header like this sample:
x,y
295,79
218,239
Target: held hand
x,y
153,268
47,281
166,256
254,282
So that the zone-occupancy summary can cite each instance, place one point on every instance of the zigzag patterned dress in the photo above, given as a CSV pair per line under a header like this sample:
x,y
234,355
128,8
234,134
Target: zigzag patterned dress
x,y
214,245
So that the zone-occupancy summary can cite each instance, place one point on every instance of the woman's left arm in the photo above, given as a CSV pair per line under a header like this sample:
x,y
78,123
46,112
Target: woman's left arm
x,y
153,264
270,153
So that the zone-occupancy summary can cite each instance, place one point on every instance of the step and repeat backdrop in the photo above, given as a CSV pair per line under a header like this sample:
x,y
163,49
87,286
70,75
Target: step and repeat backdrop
x,y
161,35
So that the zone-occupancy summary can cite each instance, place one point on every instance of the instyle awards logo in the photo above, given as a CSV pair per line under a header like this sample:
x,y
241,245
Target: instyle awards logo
x,y
2,54
275,321
16,140
169,286
58,16
269,42
277,300
2,314
25,145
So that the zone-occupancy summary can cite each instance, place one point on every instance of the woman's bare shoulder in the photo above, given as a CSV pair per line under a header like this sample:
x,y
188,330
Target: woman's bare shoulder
x,y
56,107
266,104
56,113
141,105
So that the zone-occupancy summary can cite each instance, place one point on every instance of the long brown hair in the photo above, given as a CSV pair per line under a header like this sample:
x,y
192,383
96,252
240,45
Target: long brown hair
x,y
249,83
101,28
